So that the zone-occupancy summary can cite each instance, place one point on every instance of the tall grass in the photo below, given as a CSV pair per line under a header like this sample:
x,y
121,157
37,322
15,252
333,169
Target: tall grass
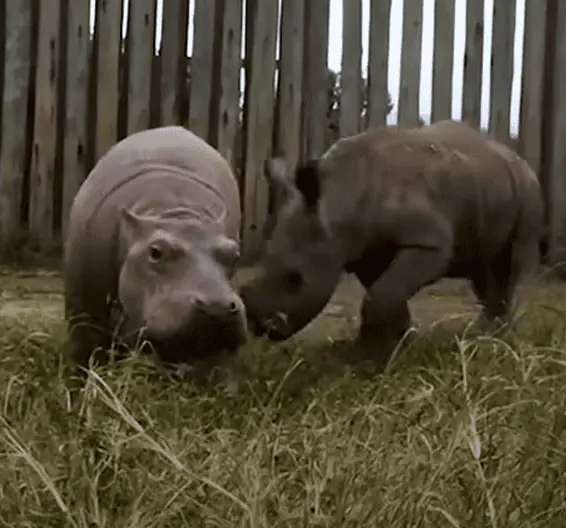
x,y
460,432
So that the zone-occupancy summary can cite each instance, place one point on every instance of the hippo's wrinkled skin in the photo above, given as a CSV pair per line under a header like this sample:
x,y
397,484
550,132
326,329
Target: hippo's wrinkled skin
x,y
152,244
400,208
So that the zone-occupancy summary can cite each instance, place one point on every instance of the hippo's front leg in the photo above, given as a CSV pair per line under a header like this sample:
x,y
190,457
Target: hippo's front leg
x,y
385,315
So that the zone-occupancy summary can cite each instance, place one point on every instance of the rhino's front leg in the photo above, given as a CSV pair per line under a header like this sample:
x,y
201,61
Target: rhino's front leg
x,y
385,312
380,332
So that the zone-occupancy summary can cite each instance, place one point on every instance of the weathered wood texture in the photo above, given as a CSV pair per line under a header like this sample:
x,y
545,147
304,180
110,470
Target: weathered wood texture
x,y
202,61
68,95
13,136
443,60
502,41
291,80
315,80
378,62
42,176
411,63
556,182
532,92
108,44
141,38
351,74
174,68
76,106
229,78
262,19
473,62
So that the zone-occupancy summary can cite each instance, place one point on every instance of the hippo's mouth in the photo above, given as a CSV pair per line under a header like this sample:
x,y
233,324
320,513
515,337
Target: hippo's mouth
x,y
198,346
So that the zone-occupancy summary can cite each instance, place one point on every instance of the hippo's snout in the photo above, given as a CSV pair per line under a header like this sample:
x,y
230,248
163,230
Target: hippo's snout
x,y
217,308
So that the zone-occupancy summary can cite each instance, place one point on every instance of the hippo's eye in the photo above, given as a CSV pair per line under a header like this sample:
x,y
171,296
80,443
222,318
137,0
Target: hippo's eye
x,y
155,253
294,279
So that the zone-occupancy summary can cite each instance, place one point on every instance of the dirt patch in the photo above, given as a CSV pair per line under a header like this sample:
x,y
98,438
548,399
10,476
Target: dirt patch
x,y
42,291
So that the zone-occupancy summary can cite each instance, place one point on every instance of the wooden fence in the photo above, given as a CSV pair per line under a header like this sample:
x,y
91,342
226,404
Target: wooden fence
x,y
68,95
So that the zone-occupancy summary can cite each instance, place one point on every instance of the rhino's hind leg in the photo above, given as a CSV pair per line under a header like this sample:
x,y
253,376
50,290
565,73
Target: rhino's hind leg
x,y
495,288
381,332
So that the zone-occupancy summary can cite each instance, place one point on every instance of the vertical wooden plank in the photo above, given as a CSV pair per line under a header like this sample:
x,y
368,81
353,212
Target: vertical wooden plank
x,y
141,46
288,105
247,64
503,38
42,173
315,91
259,123
231,61
548,124
473,59
351,75
202,61
2,46
557,163
291,79
60,121
410,63
108,41
532,89
378,90
74,148
13,134
443,60
173,61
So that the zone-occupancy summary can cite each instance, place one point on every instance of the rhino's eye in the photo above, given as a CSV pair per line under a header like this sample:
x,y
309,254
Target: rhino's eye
x,y
294,279
155,253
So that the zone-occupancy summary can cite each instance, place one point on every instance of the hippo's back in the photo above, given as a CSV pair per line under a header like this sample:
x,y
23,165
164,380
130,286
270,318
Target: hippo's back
x,y
171,149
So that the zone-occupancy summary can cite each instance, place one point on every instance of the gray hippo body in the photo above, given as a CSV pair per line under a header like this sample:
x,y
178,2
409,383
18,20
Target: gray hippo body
x,y
152,243
400,208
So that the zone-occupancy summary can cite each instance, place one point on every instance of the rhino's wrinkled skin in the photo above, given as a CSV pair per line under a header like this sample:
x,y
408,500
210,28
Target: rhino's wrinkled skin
x,y
400,208
152,243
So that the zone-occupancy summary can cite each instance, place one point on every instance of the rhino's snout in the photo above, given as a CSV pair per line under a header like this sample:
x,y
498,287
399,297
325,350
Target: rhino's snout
x,y
277,328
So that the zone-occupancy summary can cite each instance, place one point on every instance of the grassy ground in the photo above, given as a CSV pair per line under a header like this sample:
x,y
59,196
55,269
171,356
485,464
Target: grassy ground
x,y
462,431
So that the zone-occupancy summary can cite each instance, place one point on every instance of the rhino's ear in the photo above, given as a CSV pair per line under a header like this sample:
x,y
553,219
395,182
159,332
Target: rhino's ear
x,y
133,226
307,181
277,174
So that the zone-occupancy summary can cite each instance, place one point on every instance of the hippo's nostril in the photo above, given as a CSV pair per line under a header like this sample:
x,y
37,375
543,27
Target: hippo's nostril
x,y
216,308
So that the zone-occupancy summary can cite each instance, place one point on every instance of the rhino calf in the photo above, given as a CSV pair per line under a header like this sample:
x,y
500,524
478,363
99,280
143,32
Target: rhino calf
x,y
152,243
400,208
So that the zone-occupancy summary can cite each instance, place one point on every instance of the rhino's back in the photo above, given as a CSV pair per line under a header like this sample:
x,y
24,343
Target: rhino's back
x,y
151,171
449,169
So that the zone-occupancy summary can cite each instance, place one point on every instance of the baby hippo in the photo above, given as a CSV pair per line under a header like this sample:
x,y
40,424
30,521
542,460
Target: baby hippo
x,y
151,248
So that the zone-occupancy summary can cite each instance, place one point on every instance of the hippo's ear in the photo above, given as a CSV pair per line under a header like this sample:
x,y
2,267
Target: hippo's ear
x,y
227,253
307,181
133,226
